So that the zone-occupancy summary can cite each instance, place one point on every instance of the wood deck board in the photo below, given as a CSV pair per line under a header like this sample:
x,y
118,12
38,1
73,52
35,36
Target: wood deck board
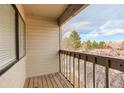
x,y
36,84
55,80
62,81
66,81
44,82
40,82
31,82
49,81
26,82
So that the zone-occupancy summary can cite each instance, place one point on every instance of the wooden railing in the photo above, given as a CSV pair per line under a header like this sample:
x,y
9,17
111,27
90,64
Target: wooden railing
x,y
88,70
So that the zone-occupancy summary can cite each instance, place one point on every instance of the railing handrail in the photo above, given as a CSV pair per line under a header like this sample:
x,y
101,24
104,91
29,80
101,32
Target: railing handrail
x,y
115,63
83,53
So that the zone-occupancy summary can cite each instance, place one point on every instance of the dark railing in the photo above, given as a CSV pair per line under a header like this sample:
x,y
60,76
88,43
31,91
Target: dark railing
x,y
88,70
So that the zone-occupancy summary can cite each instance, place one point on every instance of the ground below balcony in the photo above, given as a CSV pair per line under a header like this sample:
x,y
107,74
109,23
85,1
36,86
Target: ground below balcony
x,y
55,80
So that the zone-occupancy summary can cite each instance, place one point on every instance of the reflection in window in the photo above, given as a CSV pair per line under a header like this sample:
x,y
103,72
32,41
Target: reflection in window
x,y
21,38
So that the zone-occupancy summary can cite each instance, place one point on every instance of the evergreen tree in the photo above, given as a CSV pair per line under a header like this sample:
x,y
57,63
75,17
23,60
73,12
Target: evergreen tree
x,y
65,43
74,40
89,44
95,44
122,46
102,44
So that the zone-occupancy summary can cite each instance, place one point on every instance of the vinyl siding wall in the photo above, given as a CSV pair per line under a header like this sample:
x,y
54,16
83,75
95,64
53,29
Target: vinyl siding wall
x,y
42,46
15,76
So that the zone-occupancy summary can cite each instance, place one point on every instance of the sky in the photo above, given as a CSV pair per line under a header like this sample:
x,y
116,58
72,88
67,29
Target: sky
x,y
103,22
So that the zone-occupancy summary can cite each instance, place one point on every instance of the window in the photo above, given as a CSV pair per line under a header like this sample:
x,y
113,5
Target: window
x,y
21,37
98,29
7,36
12,37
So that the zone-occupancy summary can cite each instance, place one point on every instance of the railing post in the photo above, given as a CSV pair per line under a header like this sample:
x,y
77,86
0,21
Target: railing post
x,y
63,58
60,63
74,69
85,60
107,73
94,62
79,70
70,66
64,63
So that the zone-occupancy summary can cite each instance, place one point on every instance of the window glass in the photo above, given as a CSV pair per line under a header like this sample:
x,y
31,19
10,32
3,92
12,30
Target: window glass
x,y
21,37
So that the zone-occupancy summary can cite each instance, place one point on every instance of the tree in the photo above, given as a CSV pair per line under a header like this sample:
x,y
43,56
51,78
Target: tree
x,y
95,44
65,43
122,45
74,40
84,46
89,44
102,44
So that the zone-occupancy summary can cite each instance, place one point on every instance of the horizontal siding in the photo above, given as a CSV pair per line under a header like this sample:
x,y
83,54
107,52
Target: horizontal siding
x,y
42,46
15,76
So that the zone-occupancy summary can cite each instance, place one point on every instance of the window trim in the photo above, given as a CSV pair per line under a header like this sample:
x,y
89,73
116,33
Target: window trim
x,y
17,14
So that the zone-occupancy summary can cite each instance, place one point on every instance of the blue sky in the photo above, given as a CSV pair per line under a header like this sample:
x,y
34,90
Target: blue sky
x,y
99,22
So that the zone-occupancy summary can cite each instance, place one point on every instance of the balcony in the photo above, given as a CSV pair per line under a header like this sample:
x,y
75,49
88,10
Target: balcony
x,y
72,74
45,64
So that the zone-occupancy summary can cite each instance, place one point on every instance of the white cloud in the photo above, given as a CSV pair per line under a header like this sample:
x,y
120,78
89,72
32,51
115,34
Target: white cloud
x,y
67,34
110,28
110,32
114,27
88,36
68,28
112,24
78,26
103,33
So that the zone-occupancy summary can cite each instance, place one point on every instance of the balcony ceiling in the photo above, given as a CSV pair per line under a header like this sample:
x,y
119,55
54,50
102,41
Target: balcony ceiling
x,y
45,10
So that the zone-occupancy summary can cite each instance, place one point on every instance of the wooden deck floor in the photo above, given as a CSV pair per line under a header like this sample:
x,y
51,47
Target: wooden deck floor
x,y
55,80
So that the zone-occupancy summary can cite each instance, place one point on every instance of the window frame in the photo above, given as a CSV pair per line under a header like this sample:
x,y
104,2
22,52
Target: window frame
x,y
17,14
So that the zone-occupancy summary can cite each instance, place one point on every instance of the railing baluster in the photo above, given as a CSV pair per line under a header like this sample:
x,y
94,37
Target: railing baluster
x,y
74,70
79,71
63,58
107,73
85,60
64,64
67,65
60,63
70,66
94,62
